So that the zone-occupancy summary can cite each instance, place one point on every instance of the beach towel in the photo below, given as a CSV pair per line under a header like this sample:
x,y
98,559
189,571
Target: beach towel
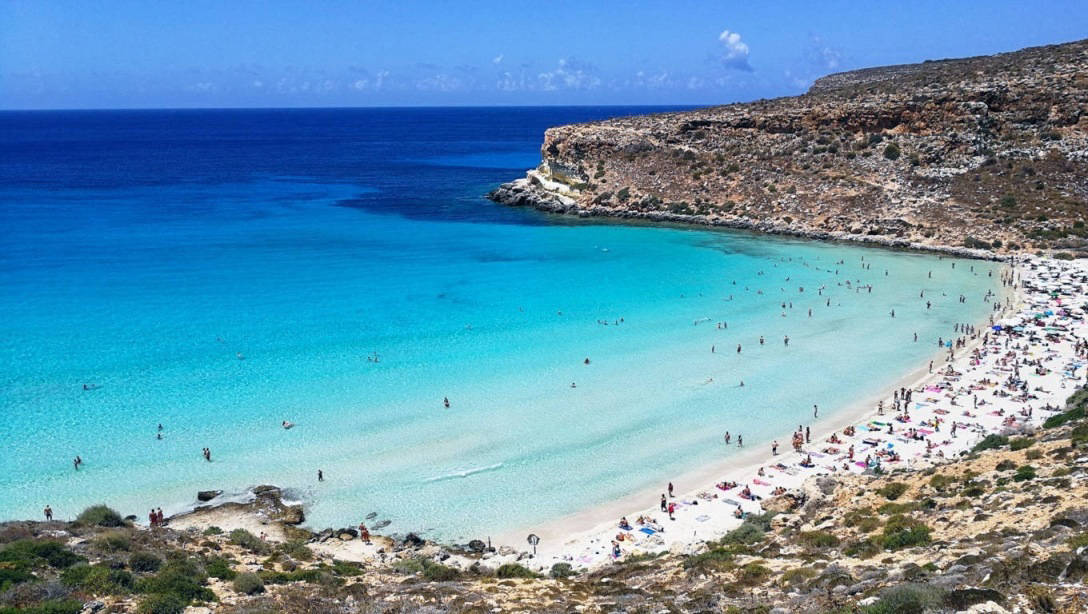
x,y
702,518
761,482
647,530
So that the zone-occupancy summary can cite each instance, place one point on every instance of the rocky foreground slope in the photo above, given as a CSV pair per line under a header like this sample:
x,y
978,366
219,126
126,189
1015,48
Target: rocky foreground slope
x,y
986,153
1002,529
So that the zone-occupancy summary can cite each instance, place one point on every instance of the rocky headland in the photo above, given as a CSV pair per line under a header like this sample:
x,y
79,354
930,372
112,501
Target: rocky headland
x,y
981,156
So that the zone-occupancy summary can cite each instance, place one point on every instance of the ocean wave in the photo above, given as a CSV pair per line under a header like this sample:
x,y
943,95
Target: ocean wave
x,y
463,474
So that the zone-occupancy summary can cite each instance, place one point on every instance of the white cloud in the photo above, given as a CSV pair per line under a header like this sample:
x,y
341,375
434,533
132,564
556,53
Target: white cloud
x,y
498,59
360,84
569,75
736,51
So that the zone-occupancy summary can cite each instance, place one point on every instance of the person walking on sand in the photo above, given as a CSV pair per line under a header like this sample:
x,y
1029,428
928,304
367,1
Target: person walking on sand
x,y
48,511
664,503
670,491
364,533
672,509
774,448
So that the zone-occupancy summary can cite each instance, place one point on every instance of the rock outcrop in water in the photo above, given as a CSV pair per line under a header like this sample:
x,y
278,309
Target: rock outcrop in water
x,y
987,153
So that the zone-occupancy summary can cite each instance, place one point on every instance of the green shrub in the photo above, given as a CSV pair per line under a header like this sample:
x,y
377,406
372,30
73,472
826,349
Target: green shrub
x,y
891,152
436,572
862,520
1079,435
893,490
716,559
249,541
346,568
991,442
213,530
56,606
752,573
907,599
819,539
31,553
219,567
161,604
249,584
513,570
1021,443
1024,473
940,482
904,532
561,570
114,541
179,577
1005,465
100,516
797,576
297,550
144,562
98,580
1034,454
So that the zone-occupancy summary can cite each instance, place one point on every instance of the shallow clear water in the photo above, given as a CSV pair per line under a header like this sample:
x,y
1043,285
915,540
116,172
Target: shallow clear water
x,y
143,252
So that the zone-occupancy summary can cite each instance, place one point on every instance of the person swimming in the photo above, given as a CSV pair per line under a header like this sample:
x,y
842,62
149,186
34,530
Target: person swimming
x,y
287,424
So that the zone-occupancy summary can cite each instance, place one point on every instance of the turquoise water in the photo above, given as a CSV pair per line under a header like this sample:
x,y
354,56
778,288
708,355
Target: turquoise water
x,y
148,286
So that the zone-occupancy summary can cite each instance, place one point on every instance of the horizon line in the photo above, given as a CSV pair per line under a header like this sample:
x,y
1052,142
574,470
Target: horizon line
x,y
343,108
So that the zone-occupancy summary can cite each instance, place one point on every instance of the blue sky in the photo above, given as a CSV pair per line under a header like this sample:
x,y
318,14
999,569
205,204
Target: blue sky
x,y
238,53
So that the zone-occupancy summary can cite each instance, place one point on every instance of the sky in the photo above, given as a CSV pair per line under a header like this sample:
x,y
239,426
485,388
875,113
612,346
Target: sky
x,y
240,53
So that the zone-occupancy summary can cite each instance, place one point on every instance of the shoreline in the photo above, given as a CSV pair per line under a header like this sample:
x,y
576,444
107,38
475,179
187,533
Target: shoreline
x,y
599,520
523,192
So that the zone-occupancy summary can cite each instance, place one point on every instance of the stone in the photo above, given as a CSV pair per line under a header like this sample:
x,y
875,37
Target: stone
x,y
207,495
963,598
292,514
477,546
91,607
412,540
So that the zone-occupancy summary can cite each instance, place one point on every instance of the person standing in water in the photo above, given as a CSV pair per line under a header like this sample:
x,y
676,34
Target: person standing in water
x,y
48,511
320,476
446,402
815,410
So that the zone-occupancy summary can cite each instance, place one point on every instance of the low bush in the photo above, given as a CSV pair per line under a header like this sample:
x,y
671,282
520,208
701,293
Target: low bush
x,y
100,516
218,567
752,573
249,584
346,568
98,580
561,570
161,604
1024,473
891,152
819,539
180,578
213,530
144,562
991,442
55,606
513,570
940,482
408,566
716,559
1079,436
1005,465
904,532
113,541
436,572
907,599
249,541
893,490
297,550
1021,443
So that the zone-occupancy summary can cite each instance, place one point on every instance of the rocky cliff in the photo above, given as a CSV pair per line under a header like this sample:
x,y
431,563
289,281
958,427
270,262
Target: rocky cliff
x,y
987,153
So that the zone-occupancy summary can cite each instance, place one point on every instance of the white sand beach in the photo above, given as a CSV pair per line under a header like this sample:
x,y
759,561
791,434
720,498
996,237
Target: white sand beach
x,y
1019,375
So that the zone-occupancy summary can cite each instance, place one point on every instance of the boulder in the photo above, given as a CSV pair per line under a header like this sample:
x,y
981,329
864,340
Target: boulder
x,y
964,598
477,546
412,540
207,495
292,514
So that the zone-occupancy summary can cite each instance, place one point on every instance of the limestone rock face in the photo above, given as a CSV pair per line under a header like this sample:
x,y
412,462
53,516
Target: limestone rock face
x,y
979,154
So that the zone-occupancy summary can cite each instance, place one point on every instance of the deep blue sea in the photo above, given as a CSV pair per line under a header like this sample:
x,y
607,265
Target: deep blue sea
x,y
219,272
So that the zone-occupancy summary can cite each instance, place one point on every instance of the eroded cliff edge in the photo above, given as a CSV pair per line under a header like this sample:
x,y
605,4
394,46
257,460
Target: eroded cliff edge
x,y
983,156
